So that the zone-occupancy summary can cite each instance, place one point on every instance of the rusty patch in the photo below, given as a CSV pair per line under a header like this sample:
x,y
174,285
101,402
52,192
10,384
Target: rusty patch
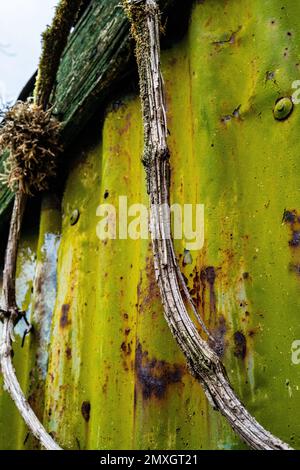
x,y
156,376
147,290
289,217
126,348
240,345
292,219
295,240
69,353
230,40
86,410
208,276
64,319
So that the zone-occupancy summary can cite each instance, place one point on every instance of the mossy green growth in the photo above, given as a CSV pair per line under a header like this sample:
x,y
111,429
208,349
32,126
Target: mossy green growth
x,y
54,41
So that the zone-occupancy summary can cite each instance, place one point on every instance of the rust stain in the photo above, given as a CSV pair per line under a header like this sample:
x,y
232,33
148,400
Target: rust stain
x,y
147,290
86,410
195,292
69,353
232,39
240,345
291,218
127,125
156,376
64,319
295,240
208,277
105,384
126,348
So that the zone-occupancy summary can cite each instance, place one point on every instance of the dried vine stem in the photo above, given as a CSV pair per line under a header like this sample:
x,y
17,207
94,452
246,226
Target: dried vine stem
x,y
203,362
54,42
11,316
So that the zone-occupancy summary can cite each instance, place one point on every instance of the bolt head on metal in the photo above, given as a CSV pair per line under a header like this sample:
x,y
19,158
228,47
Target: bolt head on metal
x,y
74,217
283,108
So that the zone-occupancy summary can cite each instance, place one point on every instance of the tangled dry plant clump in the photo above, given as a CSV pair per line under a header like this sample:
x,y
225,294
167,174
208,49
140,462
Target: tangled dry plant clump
x,y
32,138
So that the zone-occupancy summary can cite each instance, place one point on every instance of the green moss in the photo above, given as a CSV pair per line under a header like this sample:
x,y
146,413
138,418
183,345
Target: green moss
x,y
54,41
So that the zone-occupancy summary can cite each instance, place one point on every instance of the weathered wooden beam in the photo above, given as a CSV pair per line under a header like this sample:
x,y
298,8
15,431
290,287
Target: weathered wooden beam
x,y
97,55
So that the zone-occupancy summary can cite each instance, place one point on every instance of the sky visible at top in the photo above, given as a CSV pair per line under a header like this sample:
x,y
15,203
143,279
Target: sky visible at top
x,y
21,25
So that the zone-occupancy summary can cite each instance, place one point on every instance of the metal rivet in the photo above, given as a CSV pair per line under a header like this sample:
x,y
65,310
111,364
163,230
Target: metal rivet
x,y
283,108
74,217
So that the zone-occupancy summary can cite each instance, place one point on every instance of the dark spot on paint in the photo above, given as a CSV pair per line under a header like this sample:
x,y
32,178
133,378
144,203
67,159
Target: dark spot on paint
x,y
226,118
64,320
295,241
236,112
69,353
127,331
106,194
86,410
289,33
240,345
156,376
270,75
289,217
245,275
126,348
208,276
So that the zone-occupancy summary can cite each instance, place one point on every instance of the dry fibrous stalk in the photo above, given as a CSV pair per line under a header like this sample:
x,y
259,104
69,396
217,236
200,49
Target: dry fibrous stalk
x,y
31,136
10,315
203,362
